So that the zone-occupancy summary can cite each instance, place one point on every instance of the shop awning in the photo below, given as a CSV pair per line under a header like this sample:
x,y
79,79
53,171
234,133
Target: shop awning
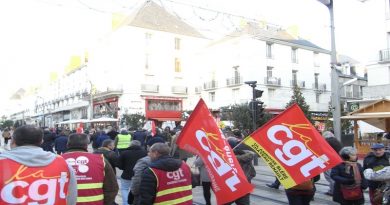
x,y
73,121
104,119
162,119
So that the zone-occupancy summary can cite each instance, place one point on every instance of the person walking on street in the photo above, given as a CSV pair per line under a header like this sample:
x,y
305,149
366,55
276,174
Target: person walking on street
x,y
107,150
336,145
205,179
48,140
20,182
167,180
7,136
61,141
127,160
376,160
96,181
348,174
122,140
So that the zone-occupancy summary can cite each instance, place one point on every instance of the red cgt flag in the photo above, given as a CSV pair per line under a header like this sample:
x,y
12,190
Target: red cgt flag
x,y
201,136
293,148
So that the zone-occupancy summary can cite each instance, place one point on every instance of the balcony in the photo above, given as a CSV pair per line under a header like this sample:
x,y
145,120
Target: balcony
x,y
149,88
272,81
179,89
299,83
210,85
384,56
109,92
234,81
353,95
319,87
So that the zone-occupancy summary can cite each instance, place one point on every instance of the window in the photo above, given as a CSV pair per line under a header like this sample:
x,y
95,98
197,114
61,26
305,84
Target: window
x,y
212,96
177,43
148,37
177,65
317,98
294,57
294,81
316,80
269,50
269,71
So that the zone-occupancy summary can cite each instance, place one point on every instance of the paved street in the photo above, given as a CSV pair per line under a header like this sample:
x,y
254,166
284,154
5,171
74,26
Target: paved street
x,y
262,195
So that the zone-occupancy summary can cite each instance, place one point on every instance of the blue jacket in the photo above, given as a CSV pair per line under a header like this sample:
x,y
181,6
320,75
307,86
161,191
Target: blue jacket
x,y
60,143
100,139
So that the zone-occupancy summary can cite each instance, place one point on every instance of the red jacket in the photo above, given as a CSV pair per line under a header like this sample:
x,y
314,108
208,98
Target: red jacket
x,y
20,184
89,171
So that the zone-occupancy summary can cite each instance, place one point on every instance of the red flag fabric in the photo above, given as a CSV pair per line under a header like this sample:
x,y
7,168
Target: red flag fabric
x,y
153,131
293,148
201,136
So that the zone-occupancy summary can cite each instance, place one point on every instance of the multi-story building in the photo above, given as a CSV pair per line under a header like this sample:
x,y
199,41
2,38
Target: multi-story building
x,y
378,85
272,57
144,66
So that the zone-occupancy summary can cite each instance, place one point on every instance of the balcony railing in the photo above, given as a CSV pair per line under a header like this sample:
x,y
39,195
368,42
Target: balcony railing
x,y
272,81
384,55
210,85
179,89
234,81
299,83
319,87
350,94
150,88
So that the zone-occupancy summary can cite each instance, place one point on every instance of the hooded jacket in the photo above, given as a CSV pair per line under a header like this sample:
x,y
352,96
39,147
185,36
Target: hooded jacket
x,y
33,156
148,188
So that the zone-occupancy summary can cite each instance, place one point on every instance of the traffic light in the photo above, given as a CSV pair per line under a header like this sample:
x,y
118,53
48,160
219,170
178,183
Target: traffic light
x,y
260,109
258,93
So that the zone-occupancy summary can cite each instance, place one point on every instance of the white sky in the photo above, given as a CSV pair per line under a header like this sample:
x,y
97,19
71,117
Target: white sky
x,y
39,36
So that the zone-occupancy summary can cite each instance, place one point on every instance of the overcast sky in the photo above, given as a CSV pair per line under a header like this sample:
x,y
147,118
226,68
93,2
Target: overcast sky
x,y
39,36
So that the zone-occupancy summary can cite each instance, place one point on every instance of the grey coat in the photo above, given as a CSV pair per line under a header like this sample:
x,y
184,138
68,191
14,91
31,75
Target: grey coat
x,y
204,177
138,169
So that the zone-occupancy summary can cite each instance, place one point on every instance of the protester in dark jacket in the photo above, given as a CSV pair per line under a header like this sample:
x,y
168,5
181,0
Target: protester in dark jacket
x,y
61,141
159,154
99,139
377,159
343,174
48,141
140,135
127,160
106,149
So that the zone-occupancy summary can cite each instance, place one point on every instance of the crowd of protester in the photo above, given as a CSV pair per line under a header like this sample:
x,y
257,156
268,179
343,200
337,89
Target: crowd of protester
x,y
145,161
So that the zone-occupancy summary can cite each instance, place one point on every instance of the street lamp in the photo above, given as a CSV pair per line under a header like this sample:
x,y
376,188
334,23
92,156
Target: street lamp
x,y
334,75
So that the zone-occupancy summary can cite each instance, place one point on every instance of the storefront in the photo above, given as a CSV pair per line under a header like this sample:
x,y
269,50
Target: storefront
x,y
106,108
163,108
319,120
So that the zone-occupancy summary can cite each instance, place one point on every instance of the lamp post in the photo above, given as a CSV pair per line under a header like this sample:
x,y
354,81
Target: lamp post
x,y
253,104
335,97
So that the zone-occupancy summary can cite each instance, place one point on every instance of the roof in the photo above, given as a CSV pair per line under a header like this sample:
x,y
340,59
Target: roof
x,y
376,114
152,16
275,35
